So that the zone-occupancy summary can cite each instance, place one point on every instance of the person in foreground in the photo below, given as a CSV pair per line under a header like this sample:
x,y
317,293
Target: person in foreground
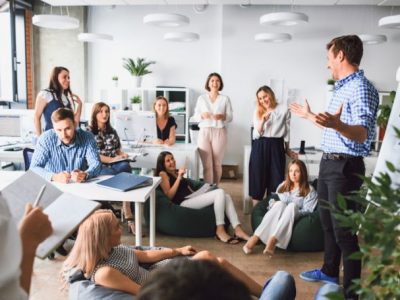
x,y
204,279
348,129
18,249
166,125
58,94
177,188
296,198
271,134
66,154
98,252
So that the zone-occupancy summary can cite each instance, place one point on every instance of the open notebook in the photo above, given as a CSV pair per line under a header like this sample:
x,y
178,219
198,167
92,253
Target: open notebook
x,y
66,212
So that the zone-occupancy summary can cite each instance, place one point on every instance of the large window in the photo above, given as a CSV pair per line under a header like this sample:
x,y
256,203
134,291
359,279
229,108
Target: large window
x,y
6,61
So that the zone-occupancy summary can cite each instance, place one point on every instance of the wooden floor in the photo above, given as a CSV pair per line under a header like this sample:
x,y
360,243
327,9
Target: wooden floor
x,y
45,284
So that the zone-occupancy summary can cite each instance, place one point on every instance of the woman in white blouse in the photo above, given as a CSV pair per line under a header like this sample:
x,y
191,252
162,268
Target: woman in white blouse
x,y
214,111
58,94
271,123
296,198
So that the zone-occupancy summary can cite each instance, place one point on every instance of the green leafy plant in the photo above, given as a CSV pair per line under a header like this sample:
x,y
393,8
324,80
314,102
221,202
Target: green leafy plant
x,y
330,82
378,227
136,99
115,78
384,111
138,67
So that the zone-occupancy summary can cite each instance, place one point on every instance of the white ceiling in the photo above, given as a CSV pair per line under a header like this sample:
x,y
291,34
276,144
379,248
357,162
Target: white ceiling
x,y
231,2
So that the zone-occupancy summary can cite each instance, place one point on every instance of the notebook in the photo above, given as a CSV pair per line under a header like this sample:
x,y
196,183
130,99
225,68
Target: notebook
x,y
66,212
125,182
206,187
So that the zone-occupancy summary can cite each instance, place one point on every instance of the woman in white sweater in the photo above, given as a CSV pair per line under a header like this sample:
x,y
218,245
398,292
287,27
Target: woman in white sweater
x,y
296,198
214,111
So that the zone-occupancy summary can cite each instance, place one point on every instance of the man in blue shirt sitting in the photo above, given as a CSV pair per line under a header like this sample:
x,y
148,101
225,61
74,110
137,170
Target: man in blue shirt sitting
x,y
66,154
348,129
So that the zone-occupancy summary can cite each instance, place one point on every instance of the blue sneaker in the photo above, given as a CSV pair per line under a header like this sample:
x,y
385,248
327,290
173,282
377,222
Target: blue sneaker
x,y
317,275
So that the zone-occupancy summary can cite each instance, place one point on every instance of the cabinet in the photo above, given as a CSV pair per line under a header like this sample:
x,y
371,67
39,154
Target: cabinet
x,y
178,97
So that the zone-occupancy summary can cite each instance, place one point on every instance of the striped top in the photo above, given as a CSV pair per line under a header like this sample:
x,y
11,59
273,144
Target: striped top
x,y
360,102
51,156
124,259
305,204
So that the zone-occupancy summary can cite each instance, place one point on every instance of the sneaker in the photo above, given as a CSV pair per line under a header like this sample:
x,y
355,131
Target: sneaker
x,y
317,275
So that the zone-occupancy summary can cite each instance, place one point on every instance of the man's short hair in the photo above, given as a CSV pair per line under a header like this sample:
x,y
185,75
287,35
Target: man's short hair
x,y
350,45
185,278
62,114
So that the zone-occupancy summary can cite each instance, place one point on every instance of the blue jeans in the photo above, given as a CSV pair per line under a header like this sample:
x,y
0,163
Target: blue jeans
x,y
280,287
115,168
327,288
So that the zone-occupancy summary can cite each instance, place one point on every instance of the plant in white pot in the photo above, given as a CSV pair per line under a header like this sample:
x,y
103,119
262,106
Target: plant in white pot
x,y
115,80
135,101
137,68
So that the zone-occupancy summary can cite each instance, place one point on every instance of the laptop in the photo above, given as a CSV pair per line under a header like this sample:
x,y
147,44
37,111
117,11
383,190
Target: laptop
x,y
124,182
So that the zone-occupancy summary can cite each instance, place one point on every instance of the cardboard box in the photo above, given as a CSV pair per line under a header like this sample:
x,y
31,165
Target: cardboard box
x,y
230,171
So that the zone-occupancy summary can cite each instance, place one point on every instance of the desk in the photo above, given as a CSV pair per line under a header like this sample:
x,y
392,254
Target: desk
x,y
311,159
90,190
183,154
12,156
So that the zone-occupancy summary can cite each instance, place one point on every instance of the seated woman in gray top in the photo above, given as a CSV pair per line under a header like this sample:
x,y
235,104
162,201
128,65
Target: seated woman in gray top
x,y
98,252
297,198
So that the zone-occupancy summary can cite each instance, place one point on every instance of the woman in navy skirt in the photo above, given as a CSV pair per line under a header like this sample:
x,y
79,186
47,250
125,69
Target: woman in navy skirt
x,y
271,123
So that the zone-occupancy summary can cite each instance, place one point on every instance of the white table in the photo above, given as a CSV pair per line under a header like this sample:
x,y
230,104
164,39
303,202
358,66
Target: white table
x,y
90,190
184,154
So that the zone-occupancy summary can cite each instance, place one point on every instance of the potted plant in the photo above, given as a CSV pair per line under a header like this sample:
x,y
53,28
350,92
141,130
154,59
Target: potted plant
x,y
384,114
135,101
137,68
115,80
330,83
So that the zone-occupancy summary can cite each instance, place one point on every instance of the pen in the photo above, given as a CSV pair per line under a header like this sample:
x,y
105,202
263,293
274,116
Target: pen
x,y
39,196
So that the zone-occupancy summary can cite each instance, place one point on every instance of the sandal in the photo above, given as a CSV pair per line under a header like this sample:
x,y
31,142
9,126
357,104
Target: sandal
x,y
131,226
231,240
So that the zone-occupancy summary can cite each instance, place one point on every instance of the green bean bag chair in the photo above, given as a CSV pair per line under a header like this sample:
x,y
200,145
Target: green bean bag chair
x,y
172,219
307,233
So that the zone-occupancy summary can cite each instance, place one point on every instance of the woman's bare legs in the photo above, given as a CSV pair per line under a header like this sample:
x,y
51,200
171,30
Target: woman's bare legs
x,y
248,247
253,286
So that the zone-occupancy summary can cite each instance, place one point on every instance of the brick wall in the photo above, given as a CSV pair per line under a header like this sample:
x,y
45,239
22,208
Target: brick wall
x,y
29,59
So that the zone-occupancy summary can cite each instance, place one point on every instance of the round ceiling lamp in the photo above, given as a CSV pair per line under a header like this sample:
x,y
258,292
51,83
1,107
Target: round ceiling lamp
x,y
166,20
55,21
283,18
390,22
272,37
372,39
181,36
94,37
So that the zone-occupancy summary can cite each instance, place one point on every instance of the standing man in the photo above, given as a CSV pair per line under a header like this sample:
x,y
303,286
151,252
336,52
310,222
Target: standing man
x,y
348,129
66,154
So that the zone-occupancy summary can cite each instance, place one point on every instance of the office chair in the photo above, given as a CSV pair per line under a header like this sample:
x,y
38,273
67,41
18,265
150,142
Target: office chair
x,y
27,153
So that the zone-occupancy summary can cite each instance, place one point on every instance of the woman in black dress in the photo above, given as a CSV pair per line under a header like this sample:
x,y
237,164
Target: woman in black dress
x,y
166,125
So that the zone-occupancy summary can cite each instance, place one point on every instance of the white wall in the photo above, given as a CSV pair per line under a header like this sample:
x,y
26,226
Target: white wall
x,y
227,45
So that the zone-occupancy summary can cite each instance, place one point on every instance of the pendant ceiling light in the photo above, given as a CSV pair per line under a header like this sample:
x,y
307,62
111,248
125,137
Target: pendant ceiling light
x,y
181,36
283,18
372,39
166,20
55,21
94,37
272,37
390,22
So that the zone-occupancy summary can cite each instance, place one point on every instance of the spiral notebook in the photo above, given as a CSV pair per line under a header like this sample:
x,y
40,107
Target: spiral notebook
x,y
124,182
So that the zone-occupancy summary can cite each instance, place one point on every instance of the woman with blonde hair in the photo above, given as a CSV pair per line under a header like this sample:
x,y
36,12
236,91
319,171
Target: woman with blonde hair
x,y
294,198
166,125
98,252
271,123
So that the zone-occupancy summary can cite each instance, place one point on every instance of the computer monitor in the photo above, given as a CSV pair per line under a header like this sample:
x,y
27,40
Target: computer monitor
x,y
140,126
10,125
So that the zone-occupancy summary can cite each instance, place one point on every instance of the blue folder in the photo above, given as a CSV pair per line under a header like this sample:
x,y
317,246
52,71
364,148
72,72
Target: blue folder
x,y
125,182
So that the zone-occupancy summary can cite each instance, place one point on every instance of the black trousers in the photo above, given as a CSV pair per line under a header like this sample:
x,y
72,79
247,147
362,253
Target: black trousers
x,y
266,166
339,176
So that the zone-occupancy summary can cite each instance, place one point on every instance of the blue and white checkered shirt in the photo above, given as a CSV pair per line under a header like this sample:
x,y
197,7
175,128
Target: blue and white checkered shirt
x,y
51,156
360,104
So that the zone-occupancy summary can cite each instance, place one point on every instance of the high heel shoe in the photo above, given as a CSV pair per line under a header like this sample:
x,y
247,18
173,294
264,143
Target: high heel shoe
x,y
268,253
131,225
247,250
